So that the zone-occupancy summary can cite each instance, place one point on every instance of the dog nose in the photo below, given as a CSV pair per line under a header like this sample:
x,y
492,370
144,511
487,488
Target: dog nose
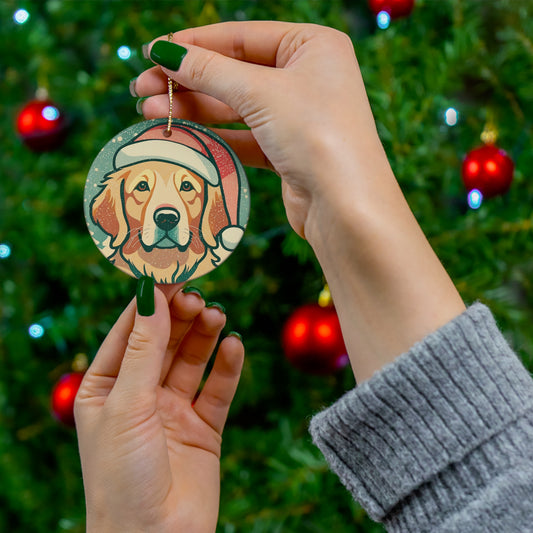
x,y
166,219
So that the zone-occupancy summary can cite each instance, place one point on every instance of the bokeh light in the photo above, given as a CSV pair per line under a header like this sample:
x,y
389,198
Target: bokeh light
x,y
5,251
21,16
124,52
50,112
36,331
451,116
383,20
475,199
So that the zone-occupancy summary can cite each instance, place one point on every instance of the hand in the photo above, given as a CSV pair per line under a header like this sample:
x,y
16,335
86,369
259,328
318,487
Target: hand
x,y
299,89
311,103
150,452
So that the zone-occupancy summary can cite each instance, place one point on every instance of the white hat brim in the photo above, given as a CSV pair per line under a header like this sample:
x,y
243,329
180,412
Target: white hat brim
x,y
173,152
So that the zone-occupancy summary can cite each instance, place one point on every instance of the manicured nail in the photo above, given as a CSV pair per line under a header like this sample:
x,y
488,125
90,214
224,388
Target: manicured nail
x,y
192,290
235,334
167,54
133,92
220,307
146,50
139,105
145,296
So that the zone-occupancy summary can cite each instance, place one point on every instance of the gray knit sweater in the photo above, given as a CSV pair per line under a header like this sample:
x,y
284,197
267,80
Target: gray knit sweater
x,y
440,440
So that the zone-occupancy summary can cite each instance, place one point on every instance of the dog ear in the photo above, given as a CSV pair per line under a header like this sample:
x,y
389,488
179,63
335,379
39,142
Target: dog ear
x,y
215,217
107,210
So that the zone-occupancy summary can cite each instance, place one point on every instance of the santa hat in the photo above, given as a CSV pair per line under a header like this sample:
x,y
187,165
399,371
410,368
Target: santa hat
x,y
182,148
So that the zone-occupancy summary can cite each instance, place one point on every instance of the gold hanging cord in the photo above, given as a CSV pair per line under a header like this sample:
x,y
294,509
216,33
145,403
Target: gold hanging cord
x,y
172,86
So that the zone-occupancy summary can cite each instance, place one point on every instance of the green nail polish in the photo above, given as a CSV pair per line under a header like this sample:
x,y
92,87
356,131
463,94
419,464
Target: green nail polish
x,y
167,54
218,306
145,296
192,290
235,334
133,92
139,105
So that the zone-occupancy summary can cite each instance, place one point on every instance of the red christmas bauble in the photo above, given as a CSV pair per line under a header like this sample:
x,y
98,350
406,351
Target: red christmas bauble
x,y
488,169
63,396
312,340
41,125
395,8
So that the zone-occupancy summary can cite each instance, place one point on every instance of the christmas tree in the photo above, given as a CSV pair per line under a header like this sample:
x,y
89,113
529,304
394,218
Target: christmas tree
x,y
436,78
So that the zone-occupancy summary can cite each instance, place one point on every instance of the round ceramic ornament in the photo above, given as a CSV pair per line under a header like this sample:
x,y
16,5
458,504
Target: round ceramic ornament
x,y
170,202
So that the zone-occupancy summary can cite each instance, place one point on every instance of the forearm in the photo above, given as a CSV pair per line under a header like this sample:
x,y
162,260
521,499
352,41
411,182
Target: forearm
x,y
440,439
388,286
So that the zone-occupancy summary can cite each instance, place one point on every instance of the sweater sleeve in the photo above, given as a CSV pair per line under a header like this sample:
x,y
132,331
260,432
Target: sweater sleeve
x,y
440,440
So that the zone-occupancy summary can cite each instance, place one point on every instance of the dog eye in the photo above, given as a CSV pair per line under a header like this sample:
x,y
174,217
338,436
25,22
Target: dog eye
x,y
142,186
186,186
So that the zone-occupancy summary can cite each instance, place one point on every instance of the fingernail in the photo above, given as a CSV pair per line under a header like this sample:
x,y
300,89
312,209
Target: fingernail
x,y
235,334
139,105
146,50
145,296
133,92
192,290
218,306
167,54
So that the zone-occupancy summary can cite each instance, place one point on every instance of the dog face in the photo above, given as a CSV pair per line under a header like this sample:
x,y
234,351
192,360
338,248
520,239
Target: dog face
x,y
162,218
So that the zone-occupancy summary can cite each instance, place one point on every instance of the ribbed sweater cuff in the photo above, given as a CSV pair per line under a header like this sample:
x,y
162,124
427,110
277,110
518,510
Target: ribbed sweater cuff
x,y
420,430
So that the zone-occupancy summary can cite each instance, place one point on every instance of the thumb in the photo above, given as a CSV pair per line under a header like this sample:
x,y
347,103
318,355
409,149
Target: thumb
x,y
140,370
229,80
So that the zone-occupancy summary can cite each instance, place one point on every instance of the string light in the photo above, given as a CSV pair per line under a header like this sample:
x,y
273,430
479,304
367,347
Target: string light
x,y
475,199
383,20
451,116
5,251
21,16
50,112
36,331
124,52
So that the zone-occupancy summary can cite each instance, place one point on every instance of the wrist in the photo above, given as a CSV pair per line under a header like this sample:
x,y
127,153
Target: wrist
x,y
389,288
349,196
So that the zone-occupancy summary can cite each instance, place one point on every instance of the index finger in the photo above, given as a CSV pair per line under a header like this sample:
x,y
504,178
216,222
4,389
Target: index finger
x,y
252,41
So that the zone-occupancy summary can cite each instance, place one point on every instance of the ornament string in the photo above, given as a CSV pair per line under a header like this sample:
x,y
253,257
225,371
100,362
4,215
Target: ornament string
x,y
172,86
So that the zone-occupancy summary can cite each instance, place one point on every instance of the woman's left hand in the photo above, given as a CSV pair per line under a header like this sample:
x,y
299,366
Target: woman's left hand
x,y
149,444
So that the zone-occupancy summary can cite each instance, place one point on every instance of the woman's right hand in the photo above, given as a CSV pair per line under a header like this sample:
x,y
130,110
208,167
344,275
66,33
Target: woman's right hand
x,y
299,89
296,86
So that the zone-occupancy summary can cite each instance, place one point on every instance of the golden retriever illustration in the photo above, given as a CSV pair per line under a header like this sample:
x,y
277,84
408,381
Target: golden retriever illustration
x,y
164,220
